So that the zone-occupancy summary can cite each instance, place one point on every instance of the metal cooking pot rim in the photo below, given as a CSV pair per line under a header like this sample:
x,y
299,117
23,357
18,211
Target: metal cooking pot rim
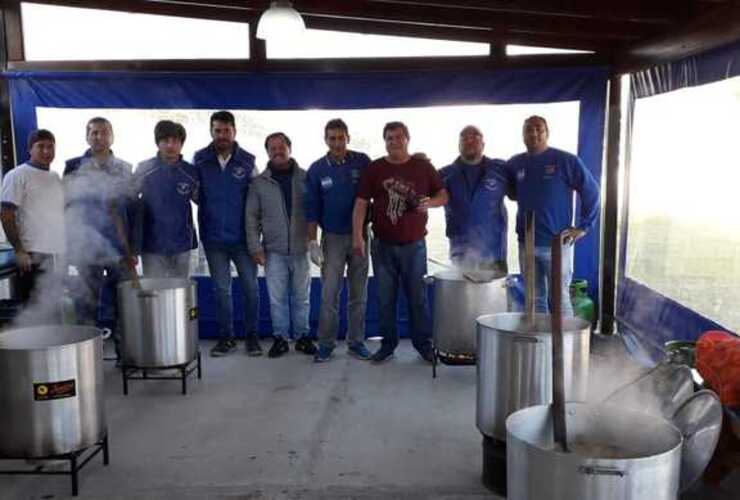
x,y
523,416
515,323
457,275
46,336
151,284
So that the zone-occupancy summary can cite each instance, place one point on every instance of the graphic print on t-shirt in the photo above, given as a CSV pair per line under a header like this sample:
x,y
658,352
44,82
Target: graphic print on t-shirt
x,y
401,197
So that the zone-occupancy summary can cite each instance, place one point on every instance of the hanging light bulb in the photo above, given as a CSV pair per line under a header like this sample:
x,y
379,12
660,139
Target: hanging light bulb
x,y
279,21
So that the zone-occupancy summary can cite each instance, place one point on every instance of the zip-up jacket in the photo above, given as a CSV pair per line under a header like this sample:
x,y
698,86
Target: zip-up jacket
x,y
476,218
223,195
91,191
269,228
165,218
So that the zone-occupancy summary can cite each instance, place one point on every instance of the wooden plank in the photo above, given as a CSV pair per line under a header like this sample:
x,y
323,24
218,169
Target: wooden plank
x,y
717,27
501,21
471,63
654,11
610,210
13,27
232,13
484,35
443,15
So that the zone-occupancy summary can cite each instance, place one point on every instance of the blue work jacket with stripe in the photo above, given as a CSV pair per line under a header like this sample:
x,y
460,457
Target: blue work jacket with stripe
x,y
475,215
223,195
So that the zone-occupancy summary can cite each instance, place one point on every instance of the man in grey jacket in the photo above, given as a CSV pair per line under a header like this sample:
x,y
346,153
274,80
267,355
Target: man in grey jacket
x,y
276,239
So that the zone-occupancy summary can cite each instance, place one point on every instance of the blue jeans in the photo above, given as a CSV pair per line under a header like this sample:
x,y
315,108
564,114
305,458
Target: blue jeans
x,y
338,255
542,282
404,265
288,283
219,264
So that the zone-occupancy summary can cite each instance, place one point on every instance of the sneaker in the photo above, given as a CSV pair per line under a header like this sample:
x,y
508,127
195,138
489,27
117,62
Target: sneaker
x,y
252,345
358,350
323,354
279,347
306,346
381,355
223,348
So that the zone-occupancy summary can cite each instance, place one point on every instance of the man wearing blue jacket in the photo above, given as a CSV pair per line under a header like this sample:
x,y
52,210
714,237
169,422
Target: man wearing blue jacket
x,y
164,186
476,219
331,186
96,190
545,179
225,172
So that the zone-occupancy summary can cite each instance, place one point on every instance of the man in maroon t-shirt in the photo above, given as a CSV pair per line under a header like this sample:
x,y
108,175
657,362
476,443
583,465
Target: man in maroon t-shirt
x,y
402,189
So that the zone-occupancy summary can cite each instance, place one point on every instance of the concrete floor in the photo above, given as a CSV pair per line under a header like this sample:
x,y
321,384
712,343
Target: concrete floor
x,y
259,428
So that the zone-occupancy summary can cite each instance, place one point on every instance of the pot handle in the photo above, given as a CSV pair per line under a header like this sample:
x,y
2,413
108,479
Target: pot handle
x,y
525,340
591,470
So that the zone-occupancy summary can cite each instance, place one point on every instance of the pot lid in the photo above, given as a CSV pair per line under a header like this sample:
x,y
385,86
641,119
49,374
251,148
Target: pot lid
x,y
699,419
661,391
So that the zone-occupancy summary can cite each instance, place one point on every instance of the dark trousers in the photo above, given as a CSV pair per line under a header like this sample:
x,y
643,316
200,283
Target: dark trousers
x,y
26,282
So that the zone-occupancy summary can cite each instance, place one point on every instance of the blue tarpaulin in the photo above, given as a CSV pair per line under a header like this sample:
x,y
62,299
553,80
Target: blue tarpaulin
x,y
338,90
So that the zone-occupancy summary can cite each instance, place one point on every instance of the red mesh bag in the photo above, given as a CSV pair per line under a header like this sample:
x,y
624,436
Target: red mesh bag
x,y
718,362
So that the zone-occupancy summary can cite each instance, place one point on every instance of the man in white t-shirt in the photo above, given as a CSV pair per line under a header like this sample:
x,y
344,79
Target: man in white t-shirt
x,y
32,214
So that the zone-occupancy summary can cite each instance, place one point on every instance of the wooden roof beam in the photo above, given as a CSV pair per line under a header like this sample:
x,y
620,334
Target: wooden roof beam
x,y
717,27
448,15
654,11
455,34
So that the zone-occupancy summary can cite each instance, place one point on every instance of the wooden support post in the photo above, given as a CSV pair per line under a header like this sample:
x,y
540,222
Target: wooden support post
x,y
610,208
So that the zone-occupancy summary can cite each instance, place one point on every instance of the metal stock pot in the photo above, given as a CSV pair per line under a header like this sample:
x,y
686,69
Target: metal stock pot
x,y
159,322
51,390
458,301
614,455
515,366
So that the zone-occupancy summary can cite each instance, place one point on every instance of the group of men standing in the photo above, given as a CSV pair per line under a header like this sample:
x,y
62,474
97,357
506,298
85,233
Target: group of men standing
x,y
113,216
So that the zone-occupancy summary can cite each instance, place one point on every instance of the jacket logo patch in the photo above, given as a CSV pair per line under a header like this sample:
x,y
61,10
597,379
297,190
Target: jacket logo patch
x,y
490,184
520,174
184,188
327,183
239,173
550,169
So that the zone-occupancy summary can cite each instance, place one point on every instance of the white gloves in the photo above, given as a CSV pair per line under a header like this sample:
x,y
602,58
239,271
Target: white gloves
x,y
315,253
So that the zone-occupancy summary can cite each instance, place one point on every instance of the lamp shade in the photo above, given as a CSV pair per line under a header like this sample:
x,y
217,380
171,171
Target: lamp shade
x,y
279,21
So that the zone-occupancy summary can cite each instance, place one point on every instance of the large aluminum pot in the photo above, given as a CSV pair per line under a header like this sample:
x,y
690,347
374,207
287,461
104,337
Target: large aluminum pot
x,y
614,455
51,390
458,302
159,322
515,366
